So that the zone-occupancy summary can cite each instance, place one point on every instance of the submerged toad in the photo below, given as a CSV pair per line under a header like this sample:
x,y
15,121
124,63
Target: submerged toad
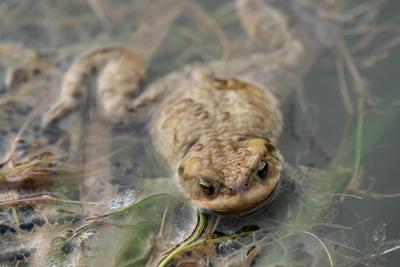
x,y
219,136
215,125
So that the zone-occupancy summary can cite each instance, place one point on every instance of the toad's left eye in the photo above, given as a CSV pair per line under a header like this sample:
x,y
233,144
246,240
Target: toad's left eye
x,y
262,170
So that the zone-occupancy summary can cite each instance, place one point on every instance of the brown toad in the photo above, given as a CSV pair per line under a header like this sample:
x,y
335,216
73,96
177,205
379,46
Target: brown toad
x,y
215,124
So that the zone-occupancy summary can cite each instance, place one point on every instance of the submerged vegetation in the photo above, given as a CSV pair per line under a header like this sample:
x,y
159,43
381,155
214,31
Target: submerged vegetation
x,y
79,200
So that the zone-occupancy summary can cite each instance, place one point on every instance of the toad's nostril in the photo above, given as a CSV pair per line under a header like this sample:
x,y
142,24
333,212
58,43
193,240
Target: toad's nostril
x,y
231,191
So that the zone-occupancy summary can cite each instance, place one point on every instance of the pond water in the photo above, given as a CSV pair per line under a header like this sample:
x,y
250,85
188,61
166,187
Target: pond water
x,y
86,192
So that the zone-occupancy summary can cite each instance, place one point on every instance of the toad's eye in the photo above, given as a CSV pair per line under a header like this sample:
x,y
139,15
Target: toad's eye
x,y
206,186
262,170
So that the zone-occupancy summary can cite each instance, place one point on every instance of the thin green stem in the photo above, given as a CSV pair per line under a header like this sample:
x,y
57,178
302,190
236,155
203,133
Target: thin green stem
x,y
189,243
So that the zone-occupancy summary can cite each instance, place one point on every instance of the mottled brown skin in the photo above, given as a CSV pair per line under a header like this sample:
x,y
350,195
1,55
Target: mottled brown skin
x,y
219,131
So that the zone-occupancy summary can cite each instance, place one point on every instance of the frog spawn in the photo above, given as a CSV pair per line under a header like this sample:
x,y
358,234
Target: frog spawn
x,y
26,229
32,161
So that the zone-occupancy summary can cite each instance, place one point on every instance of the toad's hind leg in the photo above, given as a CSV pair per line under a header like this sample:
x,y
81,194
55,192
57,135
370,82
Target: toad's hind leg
x,y
109,68
284,45
275,22
109,76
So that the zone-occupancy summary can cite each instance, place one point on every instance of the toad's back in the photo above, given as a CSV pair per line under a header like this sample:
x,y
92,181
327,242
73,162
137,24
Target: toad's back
x,y
207,113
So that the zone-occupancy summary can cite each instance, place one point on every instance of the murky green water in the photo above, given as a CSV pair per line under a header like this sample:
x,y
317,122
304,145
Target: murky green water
x,y
319,132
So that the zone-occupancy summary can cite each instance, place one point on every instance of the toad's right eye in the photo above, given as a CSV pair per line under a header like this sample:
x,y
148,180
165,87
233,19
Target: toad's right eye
x,y
206,186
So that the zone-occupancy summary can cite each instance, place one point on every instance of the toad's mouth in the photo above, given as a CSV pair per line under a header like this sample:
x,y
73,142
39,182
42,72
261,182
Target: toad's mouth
x,y
241,202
